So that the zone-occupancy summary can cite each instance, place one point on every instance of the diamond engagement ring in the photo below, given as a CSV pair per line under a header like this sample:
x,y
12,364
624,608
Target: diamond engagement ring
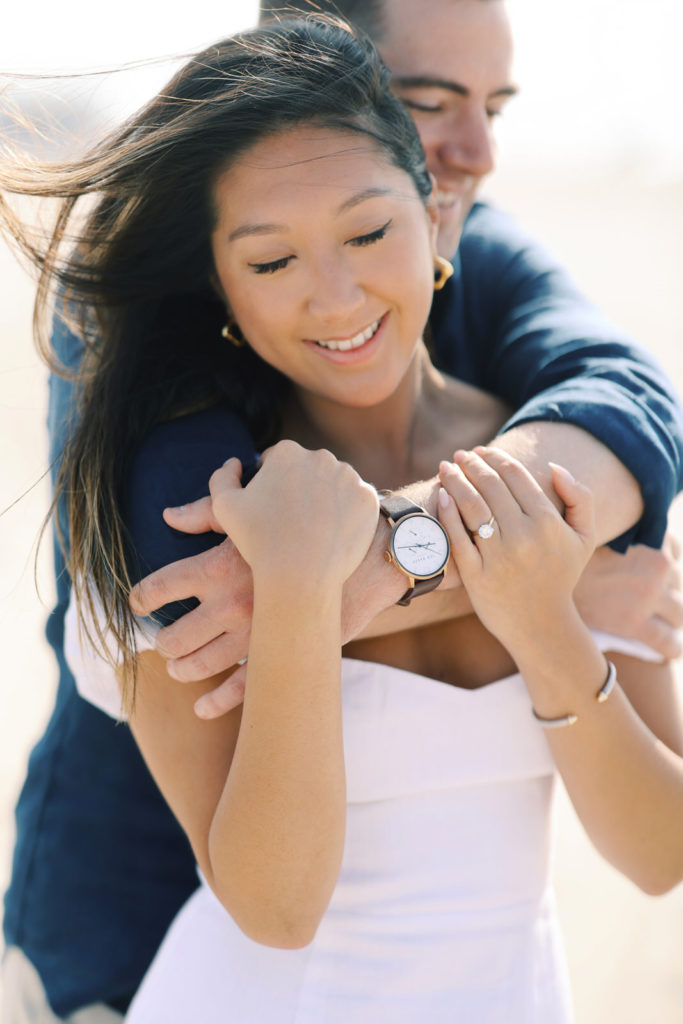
x,y
486,529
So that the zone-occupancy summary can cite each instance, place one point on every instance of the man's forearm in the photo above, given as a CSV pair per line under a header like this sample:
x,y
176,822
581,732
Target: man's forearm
x,y
372,592
373,588
617,499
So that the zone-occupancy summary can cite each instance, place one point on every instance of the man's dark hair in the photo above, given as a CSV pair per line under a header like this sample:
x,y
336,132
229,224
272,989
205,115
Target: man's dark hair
x,y
364,14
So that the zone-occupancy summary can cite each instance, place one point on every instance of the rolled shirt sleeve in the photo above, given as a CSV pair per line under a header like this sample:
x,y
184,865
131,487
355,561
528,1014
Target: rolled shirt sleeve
x,y
513,322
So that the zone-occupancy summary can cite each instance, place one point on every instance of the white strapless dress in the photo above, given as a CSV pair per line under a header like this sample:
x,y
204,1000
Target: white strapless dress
x,y
443,912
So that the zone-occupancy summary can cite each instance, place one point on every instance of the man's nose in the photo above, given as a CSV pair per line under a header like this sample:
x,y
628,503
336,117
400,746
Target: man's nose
x,y
469,145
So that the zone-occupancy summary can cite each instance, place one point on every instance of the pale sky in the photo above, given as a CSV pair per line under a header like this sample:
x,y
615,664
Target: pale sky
x,y
602,79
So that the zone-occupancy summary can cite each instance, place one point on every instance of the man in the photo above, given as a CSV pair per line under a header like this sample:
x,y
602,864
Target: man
x,y
100,865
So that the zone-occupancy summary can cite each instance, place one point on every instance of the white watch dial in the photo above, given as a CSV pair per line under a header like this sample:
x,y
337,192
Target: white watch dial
x,y
420,545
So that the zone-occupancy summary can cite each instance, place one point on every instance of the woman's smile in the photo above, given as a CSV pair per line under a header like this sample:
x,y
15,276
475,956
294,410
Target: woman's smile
x,y
354,349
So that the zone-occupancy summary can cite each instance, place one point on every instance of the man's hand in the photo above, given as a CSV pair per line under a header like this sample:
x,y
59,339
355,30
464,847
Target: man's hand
x,y
214,635
635,595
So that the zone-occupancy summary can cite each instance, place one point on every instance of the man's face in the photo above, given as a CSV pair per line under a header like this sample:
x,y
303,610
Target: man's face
x,y
451,64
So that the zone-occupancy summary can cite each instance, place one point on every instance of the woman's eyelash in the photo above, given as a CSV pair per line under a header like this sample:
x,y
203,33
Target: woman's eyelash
x,y
270,268
373,236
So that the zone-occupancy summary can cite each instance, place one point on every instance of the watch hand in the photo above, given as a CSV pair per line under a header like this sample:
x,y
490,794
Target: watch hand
x,y
426,544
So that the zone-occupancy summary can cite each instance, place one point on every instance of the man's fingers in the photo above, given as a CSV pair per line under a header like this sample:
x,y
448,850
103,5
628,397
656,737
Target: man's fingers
x,y
670,609
195,517
659,635
672,546
225,697
174,582
188,634
194,576
214,657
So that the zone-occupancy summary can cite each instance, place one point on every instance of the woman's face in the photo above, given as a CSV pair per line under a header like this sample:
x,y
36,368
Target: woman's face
x,y
324,253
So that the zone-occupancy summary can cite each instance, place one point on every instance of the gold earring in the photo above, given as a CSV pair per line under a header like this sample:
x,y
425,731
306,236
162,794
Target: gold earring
x,y
235,339
443,269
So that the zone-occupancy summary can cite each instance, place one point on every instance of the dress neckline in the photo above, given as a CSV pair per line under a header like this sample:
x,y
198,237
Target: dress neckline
x,y
406,674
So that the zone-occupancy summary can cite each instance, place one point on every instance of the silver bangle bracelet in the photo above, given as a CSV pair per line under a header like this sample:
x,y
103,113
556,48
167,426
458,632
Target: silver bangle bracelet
x,y
601,696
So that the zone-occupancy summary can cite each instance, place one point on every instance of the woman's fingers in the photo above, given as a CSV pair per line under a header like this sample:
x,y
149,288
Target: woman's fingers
x,y
578,503
195,517
228,477
480,493
463,552
472,506
199,516
487,481
223,485
503,480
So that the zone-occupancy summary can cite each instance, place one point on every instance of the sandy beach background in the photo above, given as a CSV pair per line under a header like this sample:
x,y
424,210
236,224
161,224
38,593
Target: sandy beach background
x,y
615,217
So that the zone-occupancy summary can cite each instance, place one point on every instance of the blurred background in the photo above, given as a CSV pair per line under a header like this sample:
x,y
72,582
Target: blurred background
x,y
591,162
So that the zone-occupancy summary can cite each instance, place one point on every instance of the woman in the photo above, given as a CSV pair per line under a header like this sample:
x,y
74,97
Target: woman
x,y
265,241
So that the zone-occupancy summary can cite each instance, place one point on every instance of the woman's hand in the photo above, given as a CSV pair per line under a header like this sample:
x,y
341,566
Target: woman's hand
x,y
303,514
524,573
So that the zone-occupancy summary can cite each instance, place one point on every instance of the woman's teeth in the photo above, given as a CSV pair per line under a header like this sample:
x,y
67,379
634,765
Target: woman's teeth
x,y
349,343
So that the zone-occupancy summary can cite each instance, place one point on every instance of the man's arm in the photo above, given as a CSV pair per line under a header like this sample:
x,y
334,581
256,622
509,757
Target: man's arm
x,y
512,322
616,494
640,591
216,634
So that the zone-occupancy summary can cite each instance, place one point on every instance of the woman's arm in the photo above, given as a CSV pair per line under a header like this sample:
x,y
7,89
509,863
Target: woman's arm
x,y
261,794
622,766
621,762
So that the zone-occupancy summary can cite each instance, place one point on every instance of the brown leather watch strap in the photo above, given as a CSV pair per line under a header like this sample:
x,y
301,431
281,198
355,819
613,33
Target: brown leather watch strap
x,y
394,507
422,587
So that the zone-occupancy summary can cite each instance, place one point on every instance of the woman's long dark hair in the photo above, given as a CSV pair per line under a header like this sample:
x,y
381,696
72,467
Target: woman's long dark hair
x,y
137,274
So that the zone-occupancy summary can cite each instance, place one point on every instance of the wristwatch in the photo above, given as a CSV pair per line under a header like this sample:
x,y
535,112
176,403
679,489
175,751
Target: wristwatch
x,y
418,545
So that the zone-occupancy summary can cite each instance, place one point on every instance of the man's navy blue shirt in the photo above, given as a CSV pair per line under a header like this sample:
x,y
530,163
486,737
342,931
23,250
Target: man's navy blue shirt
x,y
101,866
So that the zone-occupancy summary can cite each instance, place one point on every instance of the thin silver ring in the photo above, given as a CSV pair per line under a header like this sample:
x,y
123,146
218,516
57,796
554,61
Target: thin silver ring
x,y
486,530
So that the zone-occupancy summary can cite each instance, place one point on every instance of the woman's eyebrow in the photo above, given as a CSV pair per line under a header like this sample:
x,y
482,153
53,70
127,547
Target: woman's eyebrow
x,y
360,197
268,229
255,229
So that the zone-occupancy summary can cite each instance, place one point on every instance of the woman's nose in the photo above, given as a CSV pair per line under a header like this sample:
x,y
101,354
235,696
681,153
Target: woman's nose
x,y
336,292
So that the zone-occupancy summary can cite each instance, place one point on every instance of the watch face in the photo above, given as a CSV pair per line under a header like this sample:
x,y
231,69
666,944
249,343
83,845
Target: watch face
x,y
420,545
